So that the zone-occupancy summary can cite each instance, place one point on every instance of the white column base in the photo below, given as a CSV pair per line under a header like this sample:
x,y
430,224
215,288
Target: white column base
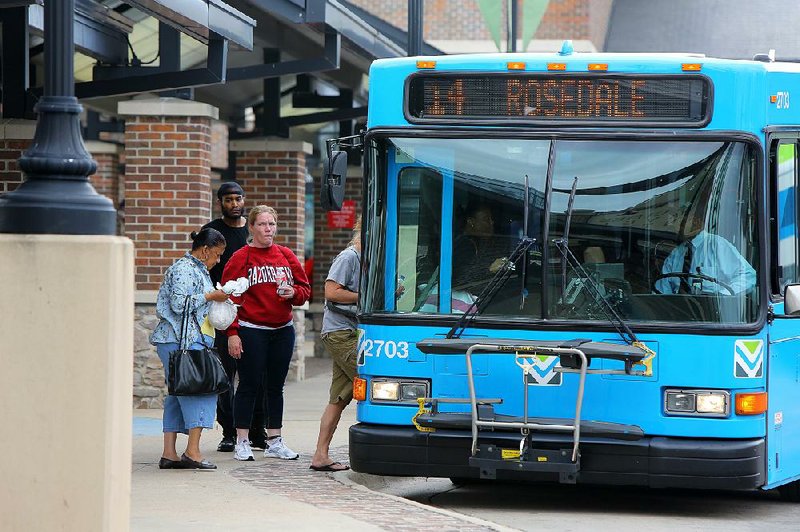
x,y
66,315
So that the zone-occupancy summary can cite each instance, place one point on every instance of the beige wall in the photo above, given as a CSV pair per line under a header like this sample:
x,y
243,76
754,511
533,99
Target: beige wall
x,y
65,384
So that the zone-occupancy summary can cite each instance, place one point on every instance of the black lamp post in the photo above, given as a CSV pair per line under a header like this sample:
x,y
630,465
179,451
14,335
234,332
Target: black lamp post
x,y
57,197
415,24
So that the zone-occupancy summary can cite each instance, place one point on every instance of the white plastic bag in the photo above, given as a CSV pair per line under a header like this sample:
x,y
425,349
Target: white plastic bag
x,y
221,314
236,287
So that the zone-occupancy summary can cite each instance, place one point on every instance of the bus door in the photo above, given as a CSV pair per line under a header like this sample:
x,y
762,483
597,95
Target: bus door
x,y
783,365
420,186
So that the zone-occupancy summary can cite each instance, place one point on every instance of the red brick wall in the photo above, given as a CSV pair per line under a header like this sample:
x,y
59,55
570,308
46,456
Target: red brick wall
x,y
329,242
106,179
10,174
167,189
277,179
565,19
462,20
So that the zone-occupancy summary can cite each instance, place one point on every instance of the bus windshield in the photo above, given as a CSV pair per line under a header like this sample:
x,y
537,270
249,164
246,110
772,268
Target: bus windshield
x,y
663,231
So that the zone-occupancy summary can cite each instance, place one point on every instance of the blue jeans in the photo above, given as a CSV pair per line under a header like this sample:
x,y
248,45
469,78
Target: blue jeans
x,y
185,412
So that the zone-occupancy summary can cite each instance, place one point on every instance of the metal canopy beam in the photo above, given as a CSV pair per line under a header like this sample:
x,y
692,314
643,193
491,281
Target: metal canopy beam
x,y
131,80
201,19
128,80
329,60
360,32
325,116
297,11
336,15
98,32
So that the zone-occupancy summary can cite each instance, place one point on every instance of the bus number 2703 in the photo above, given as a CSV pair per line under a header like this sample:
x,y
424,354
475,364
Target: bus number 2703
x,y
383,348
782,100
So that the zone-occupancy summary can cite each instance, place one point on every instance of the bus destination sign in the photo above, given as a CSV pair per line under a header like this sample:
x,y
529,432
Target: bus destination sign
x,y
643,100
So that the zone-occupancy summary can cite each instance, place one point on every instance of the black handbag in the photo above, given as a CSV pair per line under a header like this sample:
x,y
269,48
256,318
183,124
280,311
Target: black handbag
x,y
195,371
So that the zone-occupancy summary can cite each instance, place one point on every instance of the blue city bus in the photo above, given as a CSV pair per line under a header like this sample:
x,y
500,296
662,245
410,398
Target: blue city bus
x,y
579,268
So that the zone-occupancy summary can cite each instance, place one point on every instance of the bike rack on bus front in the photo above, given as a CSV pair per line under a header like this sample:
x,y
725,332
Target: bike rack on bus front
x,y
489,458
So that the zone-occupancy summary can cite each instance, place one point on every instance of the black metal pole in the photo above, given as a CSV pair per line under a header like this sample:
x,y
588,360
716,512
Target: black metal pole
x,y
414,27
57,197
512,25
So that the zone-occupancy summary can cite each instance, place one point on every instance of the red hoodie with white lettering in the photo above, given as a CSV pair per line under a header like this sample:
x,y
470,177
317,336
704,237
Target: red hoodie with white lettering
x,y
265,268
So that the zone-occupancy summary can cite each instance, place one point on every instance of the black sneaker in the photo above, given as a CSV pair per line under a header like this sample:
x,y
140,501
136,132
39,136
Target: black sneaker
x,y
259,442
227,444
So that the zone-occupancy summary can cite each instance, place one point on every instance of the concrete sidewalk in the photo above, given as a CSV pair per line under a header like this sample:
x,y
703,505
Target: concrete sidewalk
x,y
271,494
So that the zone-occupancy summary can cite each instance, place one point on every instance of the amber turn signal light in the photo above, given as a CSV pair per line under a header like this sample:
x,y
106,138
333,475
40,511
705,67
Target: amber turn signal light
x,y
359,389
751,404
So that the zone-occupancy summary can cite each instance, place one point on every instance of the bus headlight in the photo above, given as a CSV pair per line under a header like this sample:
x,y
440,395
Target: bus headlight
x,y
398,390
712,403
708,403
385,390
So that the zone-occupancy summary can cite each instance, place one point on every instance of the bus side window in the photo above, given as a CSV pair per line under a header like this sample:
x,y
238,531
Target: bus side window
x,y
418,238
785,160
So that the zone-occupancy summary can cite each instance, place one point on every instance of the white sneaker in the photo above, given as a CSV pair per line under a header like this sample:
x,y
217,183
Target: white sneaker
x,y
277,449
243,451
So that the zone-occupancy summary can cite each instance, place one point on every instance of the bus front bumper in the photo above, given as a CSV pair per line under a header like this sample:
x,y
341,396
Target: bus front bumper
x,y
658,462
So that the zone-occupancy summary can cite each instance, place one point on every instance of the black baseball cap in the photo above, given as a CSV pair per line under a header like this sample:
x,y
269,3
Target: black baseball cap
x,y
229,187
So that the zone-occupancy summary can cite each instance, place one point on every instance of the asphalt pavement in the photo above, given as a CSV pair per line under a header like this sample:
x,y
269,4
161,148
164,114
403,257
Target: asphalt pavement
x,y
272,494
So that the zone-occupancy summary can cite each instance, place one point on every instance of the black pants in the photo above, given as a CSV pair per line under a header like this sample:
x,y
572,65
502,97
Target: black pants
x,y
225,400
266,357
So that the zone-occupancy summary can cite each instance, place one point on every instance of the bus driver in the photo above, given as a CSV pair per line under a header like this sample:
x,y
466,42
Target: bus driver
x,y
705,263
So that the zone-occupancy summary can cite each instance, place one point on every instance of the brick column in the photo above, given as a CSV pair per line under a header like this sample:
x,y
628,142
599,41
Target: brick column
x,y
328,242
106,180
15,138
167,180
167,196
273,172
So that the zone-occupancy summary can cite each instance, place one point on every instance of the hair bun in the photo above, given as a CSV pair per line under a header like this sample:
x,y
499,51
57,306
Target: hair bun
x,y
194,235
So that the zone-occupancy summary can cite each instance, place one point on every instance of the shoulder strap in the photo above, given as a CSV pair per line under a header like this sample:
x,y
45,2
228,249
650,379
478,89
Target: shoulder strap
x,y
184,322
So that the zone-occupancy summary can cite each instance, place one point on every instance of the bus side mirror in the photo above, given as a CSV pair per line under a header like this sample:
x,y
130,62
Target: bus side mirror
x,y
791,300
334,173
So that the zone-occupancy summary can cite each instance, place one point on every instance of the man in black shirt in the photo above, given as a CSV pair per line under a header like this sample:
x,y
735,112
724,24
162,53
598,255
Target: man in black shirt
x,y
233,226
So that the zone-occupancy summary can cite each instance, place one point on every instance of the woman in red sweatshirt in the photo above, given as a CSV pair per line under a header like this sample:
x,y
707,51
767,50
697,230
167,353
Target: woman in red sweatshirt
x,y
262,336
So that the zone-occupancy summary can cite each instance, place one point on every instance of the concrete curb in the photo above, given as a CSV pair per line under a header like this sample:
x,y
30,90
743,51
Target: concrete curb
x,y
362,481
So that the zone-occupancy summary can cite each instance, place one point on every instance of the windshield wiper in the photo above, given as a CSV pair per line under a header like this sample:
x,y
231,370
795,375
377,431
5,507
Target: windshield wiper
x,y
565,238
495,283
591,284
523,293
596,292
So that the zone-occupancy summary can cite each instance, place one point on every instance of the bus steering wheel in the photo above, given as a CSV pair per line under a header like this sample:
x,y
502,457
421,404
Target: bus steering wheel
x,y
684,278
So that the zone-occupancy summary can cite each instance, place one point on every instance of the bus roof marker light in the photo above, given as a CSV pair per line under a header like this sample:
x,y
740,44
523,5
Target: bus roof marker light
x,y
691,67
426,64
598,67
556,66
515,65
751,404
566,48
773,98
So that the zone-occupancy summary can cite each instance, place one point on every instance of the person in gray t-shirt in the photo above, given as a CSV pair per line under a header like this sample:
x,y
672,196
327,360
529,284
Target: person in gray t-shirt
x,y
340,336
341,289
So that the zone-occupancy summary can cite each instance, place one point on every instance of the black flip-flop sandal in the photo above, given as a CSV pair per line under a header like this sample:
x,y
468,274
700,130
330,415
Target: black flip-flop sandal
x,y
330,467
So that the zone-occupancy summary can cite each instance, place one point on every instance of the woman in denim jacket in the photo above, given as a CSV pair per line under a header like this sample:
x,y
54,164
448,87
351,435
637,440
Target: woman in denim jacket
x,y
188,278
